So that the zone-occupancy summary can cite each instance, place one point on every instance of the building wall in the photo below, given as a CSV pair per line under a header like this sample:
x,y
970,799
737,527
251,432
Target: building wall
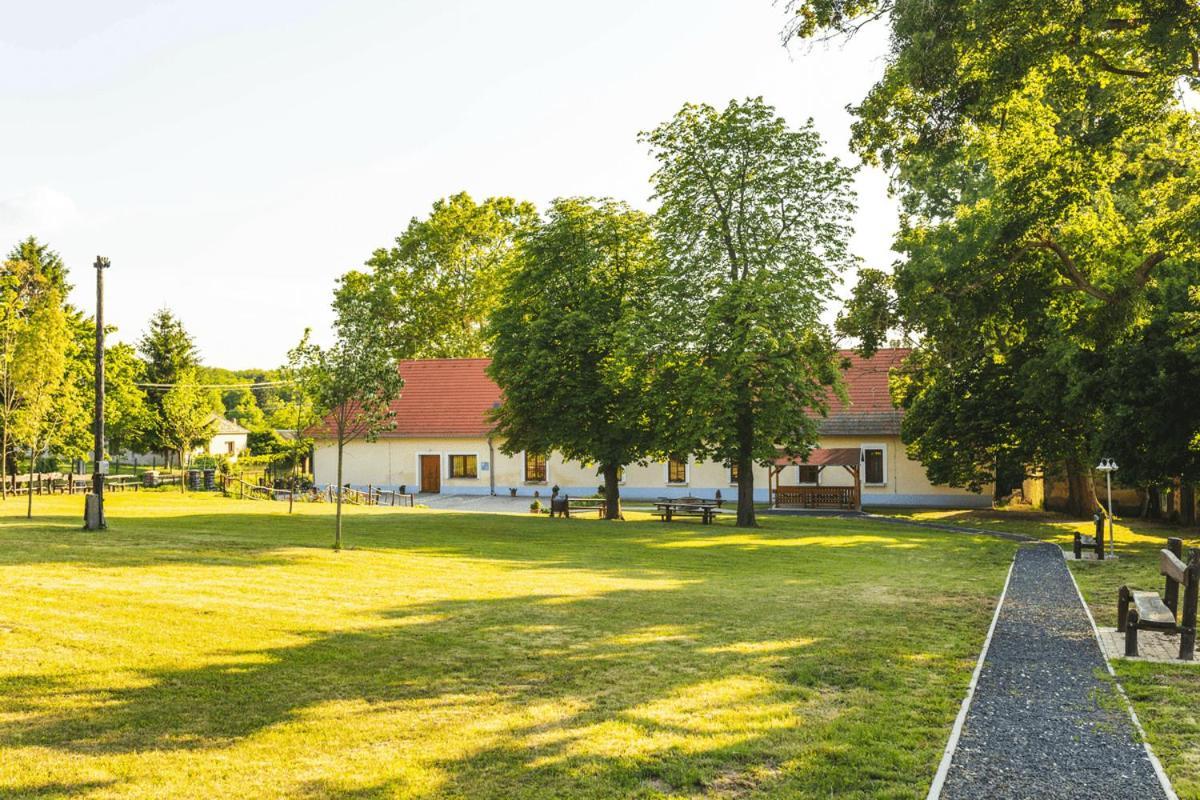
x,y
219,444
392,462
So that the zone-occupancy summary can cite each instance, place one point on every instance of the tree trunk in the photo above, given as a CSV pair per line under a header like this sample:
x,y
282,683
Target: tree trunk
x,y
612,492
4,464
182,474
745,463
337,535
29,504
1081,490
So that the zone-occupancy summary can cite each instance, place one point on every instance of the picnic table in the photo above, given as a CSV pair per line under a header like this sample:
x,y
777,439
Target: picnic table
x,y
687,507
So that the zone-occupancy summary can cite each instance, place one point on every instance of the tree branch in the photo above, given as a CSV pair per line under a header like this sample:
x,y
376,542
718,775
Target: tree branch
x,y
1109,67
1071,271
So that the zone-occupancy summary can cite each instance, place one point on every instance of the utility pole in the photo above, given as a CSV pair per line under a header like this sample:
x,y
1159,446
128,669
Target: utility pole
x,y
93,514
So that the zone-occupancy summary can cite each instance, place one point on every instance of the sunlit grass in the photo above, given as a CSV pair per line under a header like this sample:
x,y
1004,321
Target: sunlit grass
x,y
1166,697
207,648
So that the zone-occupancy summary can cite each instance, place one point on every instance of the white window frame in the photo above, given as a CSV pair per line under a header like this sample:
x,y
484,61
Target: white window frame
x,y
687,473
882,448
525,471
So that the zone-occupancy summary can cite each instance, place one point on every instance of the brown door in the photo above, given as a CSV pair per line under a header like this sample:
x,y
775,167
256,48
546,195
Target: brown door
x,y
431,474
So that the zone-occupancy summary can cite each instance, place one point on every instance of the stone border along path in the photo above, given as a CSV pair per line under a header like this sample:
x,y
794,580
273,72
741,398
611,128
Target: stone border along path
x,y
1039,721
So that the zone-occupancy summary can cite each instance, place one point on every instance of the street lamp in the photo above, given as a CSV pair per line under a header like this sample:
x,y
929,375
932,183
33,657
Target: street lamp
x,y
1108,466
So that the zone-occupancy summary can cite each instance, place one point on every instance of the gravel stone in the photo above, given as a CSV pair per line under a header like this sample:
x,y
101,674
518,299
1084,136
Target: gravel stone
x,y
1045,722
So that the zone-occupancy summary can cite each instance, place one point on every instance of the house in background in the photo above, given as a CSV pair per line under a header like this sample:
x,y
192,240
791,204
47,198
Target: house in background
x,y
442,443
229,439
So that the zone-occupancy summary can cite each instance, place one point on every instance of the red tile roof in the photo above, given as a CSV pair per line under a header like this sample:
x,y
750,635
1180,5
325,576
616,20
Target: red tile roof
x,y
444,397
870,409
451,397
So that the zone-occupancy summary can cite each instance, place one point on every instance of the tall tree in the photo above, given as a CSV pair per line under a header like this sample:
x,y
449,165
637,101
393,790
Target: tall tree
x,y
43,262
38,369
1047,170
15,301
187,418
434,291
352,383
168,352
755,222
572,382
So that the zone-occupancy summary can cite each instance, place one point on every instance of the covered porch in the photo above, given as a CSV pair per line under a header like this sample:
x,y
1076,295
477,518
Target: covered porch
x,y
846,498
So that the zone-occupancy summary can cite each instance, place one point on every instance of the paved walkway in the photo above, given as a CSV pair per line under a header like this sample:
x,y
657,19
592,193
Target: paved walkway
x,y
1043,723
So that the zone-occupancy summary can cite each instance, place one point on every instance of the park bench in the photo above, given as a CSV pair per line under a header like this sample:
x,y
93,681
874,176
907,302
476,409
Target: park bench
x,y
686,507
1096,542
564,506
1150,612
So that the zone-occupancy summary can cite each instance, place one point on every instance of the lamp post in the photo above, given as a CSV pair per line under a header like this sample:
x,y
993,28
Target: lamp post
x,y
1108,466
93,514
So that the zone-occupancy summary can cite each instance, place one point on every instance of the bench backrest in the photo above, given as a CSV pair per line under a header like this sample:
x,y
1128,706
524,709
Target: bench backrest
x,y
1172,567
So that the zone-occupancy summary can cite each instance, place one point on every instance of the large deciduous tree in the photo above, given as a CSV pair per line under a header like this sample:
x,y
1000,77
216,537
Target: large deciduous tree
x,y
573,381
753,217
1048,174
434,291
351,383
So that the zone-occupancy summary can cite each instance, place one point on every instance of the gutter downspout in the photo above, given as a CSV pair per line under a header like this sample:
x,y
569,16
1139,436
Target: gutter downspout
x,y
491,467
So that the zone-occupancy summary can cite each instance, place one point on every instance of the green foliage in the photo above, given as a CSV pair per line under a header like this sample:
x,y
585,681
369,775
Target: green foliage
x,y
168,352
754,220
572,382
1048,172
870,312
351,383
435,290
38,368
187,416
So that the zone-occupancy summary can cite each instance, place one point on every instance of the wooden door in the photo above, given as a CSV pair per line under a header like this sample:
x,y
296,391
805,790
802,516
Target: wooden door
x,y
431,474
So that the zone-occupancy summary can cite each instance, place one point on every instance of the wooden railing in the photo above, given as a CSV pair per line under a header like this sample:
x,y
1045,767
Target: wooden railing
x,y
371,497
844,497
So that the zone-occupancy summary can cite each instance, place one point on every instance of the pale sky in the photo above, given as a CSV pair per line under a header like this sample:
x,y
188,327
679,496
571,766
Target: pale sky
x,y
233,158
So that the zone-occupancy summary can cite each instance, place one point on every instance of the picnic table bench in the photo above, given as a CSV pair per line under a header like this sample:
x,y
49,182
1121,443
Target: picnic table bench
x,y
1150,612
687,507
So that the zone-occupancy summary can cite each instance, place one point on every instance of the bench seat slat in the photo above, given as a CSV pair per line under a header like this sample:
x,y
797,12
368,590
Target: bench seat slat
x,y
1170,566
1152,613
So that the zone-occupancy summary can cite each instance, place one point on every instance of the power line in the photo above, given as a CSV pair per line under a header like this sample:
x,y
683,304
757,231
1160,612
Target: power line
x,y
259,385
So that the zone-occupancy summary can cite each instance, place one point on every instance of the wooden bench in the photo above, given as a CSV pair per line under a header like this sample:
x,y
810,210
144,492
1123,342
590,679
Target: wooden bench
x,y
564,506
1150,612
667,510
1096,542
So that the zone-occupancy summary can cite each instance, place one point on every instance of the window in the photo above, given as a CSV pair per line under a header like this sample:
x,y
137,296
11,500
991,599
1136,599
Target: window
x,y
229,448
677,471
733,473
873,462
464,466
808,473
535,467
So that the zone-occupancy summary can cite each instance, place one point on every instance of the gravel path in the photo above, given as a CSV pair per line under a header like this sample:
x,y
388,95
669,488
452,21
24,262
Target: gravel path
x,y
1042,724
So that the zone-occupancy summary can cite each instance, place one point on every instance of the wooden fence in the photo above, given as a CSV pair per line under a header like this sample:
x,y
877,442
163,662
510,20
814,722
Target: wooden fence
x,y
843,497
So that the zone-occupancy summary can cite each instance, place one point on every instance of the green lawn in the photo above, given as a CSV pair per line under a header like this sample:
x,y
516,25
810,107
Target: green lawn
x,y
208,648
1166,698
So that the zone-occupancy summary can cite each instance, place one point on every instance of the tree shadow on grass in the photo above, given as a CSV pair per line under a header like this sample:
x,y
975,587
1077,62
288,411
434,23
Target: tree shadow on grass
x,y
689,688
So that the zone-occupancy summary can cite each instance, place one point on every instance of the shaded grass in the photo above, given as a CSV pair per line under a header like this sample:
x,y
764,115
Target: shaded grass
x,y
1166,697
205,647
